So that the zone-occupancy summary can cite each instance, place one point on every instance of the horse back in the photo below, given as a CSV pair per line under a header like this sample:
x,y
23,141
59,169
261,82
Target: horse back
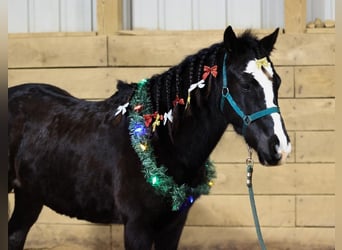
x,y
65,147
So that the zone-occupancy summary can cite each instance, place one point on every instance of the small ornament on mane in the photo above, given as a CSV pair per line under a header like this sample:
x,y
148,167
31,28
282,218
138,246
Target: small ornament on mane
x,y
208,71
157,119
149,118
168,117
122,109
178,100
200,84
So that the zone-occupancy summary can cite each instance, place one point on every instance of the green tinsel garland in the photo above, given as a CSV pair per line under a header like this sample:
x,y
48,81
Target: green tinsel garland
x,y
154,175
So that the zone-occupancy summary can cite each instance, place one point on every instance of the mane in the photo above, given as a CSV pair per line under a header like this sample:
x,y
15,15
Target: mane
x,y
247,41
175,81
248,38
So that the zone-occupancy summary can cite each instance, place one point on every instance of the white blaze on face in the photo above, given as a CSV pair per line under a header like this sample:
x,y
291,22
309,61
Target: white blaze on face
x,y
267,85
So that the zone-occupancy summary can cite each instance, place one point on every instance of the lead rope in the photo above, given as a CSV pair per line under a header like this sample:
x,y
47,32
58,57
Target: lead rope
x,y
249,165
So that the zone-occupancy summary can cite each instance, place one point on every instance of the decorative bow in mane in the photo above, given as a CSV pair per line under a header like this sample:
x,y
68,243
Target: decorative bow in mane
x,y
122,109
168,117
178,100
209,70
200,84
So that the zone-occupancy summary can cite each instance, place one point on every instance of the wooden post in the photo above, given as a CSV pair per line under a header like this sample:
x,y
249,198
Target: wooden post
x,y
295,16
109,16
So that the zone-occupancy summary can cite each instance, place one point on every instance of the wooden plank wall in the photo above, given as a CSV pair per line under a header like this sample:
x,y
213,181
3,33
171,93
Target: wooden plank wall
x,y
295,201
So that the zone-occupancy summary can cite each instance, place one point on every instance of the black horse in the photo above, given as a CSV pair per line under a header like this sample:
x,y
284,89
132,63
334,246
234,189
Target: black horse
x,y
140,157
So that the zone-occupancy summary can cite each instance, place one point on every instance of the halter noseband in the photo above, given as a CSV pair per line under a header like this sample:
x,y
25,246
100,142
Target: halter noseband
x,y
247,119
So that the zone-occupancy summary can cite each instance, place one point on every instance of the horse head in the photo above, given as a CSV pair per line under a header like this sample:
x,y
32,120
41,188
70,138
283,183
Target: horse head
x,y
250,95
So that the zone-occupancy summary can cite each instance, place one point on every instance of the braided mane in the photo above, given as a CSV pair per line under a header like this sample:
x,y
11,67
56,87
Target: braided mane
x,y
176,80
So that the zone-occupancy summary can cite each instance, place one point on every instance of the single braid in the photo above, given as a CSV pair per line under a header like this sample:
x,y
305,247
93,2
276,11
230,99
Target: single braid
x,y
167,88
201,64
157,86
191,69
214,55
177,80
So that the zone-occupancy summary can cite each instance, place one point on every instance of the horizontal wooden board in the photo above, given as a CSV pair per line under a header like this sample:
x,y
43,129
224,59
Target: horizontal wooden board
x,y
45,52
155,50
315,146
219,210
315,211
99,83
305,49
286,179
237,238
144,50
308,114
324,174
85,83
322,30
50,34
315,81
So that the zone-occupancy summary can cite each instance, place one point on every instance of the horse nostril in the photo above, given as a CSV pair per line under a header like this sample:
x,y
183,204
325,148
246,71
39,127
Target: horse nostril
x,y
277,148
274,144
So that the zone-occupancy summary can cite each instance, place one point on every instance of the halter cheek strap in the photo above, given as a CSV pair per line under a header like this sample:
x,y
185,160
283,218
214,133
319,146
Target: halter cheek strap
x,y
247,119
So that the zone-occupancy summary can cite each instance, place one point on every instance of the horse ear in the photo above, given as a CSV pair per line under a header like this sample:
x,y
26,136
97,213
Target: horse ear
x,y
229,39
268,41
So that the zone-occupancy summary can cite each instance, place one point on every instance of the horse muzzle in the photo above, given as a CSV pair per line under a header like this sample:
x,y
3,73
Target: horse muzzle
x,y
275,154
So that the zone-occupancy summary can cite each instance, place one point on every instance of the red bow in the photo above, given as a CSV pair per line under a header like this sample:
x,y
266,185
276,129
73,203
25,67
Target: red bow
x,y
178,101
209,70
149,118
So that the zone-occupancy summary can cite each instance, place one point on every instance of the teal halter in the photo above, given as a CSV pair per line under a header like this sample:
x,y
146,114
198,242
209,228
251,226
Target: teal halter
x,y
247,119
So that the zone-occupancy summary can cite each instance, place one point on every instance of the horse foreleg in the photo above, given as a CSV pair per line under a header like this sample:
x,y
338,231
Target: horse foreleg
x,y
168,236
26,212
138,236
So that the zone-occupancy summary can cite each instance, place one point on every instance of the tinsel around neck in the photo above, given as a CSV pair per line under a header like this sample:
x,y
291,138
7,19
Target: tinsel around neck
x,y
140,133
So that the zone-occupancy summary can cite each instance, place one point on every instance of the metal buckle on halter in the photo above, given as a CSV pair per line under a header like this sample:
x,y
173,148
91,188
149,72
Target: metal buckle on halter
x,y
225,91
247,120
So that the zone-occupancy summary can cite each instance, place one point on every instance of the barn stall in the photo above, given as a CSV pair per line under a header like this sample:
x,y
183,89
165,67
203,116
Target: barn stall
x,y
86,52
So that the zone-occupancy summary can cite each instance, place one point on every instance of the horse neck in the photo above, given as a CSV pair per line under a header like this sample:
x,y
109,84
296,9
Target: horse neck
x,y
196,129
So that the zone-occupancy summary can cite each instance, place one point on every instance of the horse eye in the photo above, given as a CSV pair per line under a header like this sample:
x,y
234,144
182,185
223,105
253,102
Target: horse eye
x,y
245,86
